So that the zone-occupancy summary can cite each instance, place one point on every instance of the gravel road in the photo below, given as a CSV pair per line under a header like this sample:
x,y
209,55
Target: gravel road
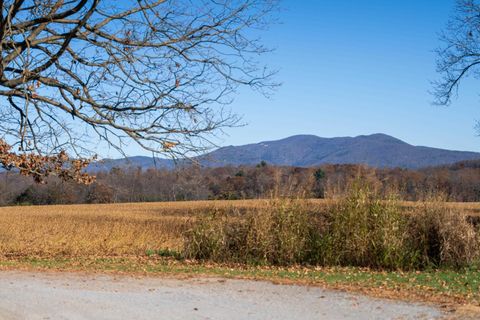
x,y
25,295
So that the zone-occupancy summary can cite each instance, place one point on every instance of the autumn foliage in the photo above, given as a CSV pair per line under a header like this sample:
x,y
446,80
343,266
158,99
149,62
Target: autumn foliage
x,y
39,167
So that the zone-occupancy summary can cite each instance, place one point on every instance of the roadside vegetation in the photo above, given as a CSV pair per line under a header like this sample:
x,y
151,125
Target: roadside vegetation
x,y
359,230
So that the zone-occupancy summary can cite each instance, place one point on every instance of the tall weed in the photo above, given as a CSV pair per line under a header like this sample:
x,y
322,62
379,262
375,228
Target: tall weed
x,y
358,230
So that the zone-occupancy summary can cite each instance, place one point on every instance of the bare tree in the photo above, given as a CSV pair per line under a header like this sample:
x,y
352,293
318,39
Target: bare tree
x,y
156,72
460,55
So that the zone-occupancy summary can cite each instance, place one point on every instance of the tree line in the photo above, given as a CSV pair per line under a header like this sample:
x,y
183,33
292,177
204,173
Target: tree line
x,y
457,182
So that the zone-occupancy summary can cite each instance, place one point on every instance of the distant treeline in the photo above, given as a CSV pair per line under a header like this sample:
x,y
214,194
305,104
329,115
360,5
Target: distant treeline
x,y
458,182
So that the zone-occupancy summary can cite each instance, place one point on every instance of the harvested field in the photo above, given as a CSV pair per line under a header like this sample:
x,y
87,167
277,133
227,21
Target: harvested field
x,y
119,229
100,230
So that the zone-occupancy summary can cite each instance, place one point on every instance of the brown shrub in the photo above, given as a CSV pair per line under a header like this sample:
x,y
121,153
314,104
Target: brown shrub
x,y
279,233
364,231
442,236
359,230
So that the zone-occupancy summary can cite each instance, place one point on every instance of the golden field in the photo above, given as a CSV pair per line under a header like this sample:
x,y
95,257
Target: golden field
x,y
99,230
128,229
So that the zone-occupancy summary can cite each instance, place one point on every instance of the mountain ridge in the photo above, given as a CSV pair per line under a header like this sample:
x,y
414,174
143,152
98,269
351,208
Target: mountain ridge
x,y
305,150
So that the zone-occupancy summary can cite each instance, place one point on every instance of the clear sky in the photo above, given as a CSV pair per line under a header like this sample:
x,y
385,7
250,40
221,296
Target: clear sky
x,y
357,67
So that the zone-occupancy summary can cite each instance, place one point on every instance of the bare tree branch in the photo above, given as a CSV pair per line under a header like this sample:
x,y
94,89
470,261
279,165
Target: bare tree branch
x,y
460,55
157,72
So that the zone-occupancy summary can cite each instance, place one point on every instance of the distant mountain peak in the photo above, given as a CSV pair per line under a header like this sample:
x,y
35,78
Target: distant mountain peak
x,y
381,137
304,150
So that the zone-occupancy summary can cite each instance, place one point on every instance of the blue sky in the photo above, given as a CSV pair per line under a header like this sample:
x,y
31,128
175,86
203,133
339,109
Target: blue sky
x,y
349,68
358,67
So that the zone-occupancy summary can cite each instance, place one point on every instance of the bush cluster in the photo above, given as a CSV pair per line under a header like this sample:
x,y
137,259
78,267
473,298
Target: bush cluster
x,y
359,230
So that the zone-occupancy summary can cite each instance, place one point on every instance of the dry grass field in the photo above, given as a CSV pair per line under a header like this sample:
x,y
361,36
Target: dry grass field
x,y
130,229
99,230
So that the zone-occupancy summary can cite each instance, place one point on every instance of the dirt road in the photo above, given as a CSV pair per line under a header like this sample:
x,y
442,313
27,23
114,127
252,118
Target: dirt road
x,y
25,295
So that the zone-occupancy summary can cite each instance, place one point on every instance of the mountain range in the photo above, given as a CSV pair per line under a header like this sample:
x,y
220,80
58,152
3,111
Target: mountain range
x,y
378,150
